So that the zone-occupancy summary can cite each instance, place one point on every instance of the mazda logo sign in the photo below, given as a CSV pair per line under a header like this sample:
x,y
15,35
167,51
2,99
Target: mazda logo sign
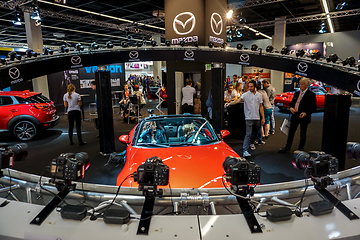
x,y
180,26
244,57
216,23
133,54
75,60
189,54
14,73
302,67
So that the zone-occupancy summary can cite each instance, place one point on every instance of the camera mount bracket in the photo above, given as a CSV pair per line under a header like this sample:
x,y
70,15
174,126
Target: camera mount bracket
x,y
147,211
64,189
320,186
246,209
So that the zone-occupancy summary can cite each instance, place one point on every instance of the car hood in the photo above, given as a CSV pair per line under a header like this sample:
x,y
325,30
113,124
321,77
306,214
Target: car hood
x,y
190,167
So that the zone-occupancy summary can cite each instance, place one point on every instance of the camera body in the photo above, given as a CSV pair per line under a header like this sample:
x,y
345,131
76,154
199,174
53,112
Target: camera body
x,y
9,154
69,166
319,164
152,173
241,172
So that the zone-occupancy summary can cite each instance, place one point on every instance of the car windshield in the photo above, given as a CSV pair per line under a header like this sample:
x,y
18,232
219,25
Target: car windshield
x,y
175,131
38,99
318,90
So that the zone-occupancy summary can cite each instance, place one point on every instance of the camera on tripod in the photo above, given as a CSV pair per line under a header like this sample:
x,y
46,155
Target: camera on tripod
x,y
241,172
70,166
152,173
9,154
318,164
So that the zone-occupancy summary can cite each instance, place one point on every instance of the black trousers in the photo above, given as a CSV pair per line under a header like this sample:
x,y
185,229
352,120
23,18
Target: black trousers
x,y
73,116
295,121
186,108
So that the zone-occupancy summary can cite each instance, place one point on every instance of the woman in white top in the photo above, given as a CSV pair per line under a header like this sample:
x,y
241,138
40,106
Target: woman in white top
x,y
238,89
72,101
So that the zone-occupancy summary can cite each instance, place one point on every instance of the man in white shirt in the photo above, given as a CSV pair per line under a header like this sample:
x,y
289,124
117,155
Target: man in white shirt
x,y
188,93
253,107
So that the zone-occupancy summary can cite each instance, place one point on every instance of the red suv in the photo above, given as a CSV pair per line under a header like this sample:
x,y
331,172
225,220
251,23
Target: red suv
x,y
26,113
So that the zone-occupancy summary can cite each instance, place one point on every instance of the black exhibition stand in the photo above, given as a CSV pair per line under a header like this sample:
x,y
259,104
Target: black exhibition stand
x,y
105,112
335,127
217,92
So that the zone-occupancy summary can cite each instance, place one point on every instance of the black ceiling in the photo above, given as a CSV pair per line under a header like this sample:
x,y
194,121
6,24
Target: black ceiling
x,y
142,10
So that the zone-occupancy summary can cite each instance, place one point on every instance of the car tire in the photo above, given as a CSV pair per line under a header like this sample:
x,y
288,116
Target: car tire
x,y
24,130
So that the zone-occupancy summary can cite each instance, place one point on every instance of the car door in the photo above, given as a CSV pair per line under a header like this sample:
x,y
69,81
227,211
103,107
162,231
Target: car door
x,y
8,110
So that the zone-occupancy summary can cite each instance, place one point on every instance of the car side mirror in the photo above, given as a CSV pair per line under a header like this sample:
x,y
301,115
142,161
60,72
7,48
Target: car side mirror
x,y
124,139
224,133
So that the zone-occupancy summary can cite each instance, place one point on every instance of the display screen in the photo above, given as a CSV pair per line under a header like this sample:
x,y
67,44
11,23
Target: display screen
x,y
240,177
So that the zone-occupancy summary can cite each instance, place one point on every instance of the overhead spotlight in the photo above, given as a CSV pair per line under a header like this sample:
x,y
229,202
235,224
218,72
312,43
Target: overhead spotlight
x,y
139,44
332,58
229,13
300,53
182,43
153,43
238,33
3,61
322,28
350,60
341,5
196,43
241,18
17,16
30,53
225,45
36,14
285,51
13,55
269,49
211,44
94,46
129,37
229,38
64,48
254,47
79,47
47,51
316,56
109,44
124,44
167,43
257,33
239,46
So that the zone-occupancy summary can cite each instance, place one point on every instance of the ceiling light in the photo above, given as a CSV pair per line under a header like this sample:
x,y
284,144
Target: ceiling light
x,y
239,46
332,58
254,47
30,53
64,48
349,60
229,13
153,43
211,44
225,45
17,17
94,46
269,49
238,34
316,56
300,53
241,18
341,5
285,51
260,33
229,38
79,47
109,44
167,43
35,15
139,44
47,51
322,28
196,43
257,33
124,44
12,55
129,37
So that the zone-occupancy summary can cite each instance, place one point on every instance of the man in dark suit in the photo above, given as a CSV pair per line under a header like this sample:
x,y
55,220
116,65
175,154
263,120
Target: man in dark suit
x,y
302,106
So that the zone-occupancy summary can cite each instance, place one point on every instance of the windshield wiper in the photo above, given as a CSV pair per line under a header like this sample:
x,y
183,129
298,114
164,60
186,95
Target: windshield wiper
x,y
184,144
153,144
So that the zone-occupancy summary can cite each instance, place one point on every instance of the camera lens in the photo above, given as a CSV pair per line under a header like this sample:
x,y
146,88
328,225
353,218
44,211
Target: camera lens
x,y
83,157
20,151
353,150
300,160
229,161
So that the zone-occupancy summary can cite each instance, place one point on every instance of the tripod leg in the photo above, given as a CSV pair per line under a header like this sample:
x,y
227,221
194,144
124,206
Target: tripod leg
x,y
146,214
249,215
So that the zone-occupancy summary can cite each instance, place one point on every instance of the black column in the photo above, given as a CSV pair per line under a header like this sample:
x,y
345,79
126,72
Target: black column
x,y
105,112
217,80
335,126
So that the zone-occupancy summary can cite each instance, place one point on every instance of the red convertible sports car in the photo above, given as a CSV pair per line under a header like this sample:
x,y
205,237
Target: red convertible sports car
x,y
283,100
186,143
